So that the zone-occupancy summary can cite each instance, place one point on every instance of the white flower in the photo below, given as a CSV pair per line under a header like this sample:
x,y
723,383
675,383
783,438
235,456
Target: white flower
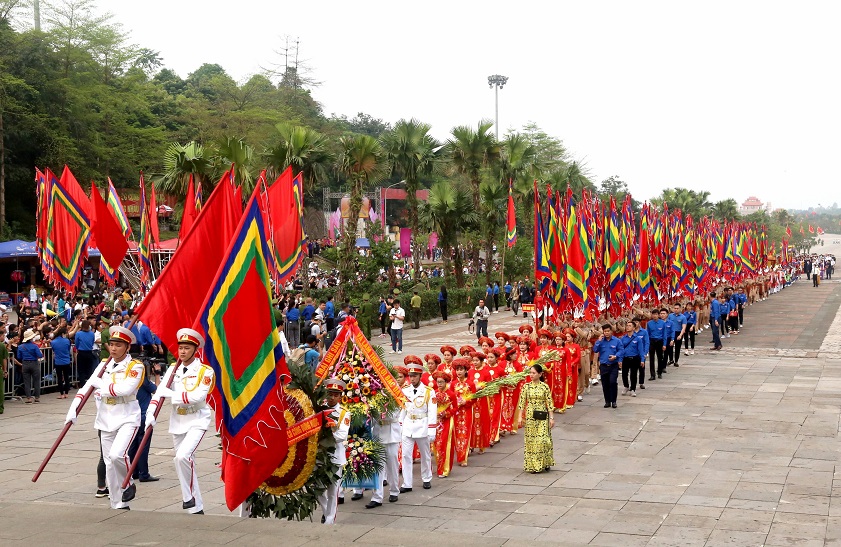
x,y
345,377
353,452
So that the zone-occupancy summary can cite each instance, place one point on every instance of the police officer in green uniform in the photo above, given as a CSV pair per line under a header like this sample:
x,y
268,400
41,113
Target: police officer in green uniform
x,y
366,315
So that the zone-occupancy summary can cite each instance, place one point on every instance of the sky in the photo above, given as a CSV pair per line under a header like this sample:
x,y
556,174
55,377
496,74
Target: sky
x,y
738,98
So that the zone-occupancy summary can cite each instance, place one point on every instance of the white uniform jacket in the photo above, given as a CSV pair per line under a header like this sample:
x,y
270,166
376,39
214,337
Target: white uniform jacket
x,y
116,401
420,412
388,430
340,433
189,401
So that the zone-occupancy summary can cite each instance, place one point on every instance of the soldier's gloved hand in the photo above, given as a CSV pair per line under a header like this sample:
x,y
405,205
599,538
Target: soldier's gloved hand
x,y
150,419
97,382
432,437
71,414
164,391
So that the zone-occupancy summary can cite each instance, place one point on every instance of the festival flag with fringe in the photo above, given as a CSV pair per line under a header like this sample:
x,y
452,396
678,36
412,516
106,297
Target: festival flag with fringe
x,y
511,219
247,359
68,230
576,268
286,225
555,252
144,245
542,269
646,287
110,241
116,206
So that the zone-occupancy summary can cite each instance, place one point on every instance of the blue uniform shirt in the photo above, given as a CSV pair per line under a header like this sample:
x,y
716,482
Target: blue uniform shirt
x,y
715,309
293,314
28,351
61,350
607,347
656,329
646,342
508,288
329,310
677,320
496,289
84,340
144,336
144,395
308,312
691,317
632,345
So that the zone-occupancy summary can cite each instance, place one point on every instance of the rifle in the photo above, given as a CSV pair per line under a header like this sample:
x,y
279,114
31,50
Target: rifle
x,y
147,435
67,426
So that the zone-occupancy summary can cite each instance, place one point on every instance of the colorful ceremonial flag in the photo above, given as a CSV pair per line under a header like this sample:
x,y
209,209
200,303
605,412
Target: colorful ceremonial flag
x,y
811,229
110,241
153,217
190,210
788,231
144,245
43,190
553,245
68,229
646,288
199,201
542,271
577,248
286,225
511,219
116,206
247,358
177,296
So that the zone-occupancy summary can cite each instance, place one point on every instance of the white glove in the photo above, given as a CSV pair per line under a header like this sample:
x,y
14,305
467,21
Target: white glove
x,y
71,414
98,383
164,391
150,420
432,438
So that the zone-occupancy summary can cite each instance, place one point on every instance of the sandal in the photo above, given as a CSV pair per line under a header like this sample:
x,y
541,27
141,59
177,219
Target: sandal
x,y
28,401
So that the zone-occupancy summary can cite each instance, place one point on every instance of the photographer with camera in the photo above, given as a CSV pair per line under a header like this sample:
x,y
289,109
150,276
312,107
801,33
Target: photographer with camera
x,y
481,315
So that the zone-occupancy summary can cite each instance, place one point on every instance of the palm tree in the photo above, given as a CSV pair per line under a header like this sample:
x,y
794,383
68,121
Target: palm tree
x,y
688,201
234,151
518,159
361,161
471,151
448,212
726,209
494,196
305,149
412,152
181,161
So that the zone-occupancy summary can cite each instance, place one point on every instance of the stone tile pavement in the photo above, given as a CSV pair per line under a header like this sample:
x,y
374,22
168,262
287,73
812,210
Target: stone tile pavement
x,y
738,447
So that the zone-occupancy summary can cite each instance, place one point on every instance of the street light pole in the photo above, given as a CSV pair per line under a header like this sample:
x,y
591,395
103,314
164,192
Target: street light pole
x,y
496,82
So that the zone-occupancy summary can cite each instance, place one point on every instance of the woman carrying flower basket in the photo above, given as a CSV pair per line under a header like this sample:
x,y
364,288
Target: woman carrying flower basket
x,y
510,398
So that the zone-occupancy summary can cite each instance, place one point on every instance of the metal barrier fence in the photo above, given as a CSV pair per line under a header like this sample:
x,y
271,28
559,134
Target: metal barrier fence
x,y
14,381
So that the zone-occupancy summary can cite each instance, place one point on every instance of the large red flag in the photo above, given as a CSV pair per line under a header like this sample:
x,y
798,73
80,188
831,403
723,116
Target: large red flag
x,y
247,358
190,212
68,230
176,298
110,241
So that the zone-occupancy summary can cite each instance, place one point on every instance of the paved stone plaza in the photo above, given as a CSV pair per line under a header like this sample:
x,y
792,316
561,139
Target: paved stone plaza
x,y
738,447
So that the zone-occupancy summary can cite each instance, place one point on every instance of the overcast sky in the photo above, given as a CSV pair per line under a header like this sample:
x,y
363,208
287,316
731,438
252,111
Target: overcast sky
x,y
738,98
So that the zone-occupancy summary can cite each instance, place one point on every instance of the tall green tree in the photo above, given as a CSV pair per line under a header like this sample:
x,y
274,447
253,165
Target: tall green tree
x,y
411,152
305,149
361,161
691,202
493,213
726,209
472,150
181,161
449,212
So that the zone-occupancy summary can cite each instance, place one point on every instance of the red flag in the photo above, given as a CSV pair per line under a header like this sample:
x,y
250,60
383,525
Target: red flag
x,y
247,358
176,298
511,221
811,229
190,213
820,231
153,217
68,230
109,237
788,231
286,225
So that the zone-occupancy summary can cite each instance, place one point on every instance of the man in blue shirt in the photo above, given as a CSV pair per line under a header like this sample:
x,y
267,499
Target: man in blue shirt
x,y
86,360
308,311
645,347
507,289
608,351
658,339
677,322
330,313
293,325
691,326
632,348
742,299
496,297
715,318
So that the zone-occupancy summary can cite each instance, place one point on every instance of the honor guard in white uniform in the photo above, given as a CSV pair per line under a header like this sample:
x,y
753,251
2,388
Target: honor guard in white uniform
x,y
329,499
420,419
390,434
192,381
117,411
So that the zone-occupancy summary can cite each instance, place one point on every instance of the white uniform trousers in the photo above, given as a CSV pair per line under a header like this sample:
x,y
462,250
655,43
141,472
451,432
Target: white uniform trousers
x,y
426,460
185,466
390,471
115,445
329,501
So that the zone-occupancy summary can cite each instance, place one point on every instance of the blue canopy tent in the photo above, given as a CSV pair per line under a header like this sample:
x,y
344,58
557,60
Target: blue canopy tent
x,y
17,248
362,242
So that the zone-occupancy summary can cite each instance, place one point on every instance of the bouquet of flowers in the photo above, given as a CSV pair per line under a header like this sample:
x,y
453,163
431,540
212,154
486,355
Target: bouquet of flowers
x,y
365,459
364,395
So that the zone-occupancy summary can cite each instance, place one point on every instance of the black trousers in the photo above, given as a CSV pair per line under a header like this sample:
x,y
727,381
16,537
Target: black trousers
x,y
610,377
723,323
383,319
630,367
673,352
689,339
63,378
85,365
656,350
741,315
814,280
496,302
443,305
734,323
